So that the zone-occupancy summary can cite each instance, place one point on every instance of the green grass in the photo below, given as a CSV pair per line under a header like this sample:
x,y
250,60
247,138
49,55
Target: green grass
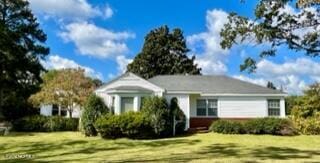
x,y
72,146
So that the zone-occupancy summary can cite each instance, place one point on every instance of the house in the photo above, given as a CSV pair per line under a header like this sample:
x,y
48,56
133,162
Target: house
x,y
52,110
201,98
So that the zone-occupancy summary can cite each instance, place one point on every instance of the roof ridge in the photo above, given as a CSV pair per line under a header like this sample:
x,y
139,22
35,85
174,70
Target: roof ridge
x,y
247,82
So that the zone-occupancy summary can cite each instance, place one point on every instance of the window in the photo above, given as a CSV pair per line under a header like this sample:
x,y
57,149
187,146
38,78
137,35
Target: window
x,y
201,108
126,104
207,107
274,107
55,110
212,107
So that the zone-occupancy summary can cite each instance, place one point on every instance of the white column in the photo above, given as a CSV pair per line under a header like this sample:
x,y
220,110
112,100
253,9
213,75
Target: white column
x,y
117,105
188,113
282,107
136,103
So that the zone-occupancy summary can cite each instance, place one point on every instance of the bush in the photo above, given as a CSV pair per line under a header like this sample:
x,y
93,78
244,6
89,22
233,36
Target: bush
x,y
57,123
108,126
227,127
31,123
272,126
179,116
39,123
93,109
309,125
130,124
158,112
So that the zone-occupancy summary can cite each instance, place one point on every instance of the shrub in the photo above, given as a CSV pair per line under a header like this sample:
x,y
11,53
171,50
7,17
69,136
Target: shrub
x,y
309,125
130,124
158,112
108,126
57,123
227,127
179,116
30,123
93,109
273,126
39,123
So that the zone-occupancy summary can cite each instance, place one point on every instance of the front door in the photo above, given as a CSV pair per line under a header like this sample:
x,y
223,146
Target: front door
x,y
126,104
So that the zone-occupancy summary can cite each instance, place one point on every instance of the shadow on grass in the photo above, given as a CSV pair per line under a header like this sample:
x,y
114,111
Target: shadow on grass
x,y
40,149
68,149
231,150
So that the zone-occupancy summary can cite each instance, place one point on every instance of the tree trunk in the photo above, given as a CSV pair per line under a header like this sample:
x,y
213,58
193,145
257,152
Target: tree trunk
x,y
70,112
59,110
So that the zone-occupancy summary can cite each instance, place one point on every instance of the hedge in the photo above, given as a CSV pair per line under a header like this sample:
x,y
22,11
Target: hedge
x,y
272,126
94,107
131,124
39,123
227,127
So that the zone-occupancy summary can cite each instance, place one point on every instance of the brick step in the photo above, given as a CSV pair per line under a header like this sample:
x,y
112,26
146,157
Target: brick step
x,y
198,130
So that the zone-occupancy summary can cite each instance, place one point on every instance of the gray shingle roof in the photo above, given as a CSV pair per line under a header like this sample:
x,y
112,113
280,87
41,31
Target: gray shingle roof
x,y
215,84
133,88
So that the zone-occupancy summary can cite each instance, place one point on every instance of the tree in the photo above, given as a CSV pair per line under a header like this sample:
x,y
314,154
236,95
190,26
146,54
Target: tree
x,y
163,52
306,111
179,119
94,108
271,85
21,47
291,102
273,25
66,88
304,3
158,112
309,103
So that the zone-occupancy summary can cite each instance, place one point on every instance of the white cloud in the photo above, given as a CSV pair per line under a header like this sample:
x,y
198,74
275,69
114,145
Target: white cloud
x,y
210,56
122,63
258,81
96,41
69,9
57,62
108,12
300,66
291,84
211,66
293,76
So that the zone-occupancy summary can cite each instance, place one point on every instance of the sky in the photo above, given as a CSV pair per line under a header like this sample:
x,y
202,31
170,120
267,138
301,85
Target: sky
x,y
102,37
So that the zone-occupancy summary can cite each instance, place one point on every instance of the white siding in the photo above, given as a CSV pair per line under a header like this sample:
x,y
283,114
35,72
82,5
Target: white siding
x,y
107,99
193,105
239,107
184,104
46,110
76,112
282,107
132,80
242,107
127,80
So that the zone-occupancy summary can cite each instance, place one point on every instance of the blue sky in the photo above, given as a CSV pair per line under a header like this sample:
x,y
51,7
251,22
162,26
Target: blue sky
x,y
104,36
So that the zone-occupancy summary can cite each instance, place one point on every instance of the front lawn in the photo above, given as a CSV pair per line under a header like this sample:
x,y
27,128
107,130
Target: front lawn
x,y
72,146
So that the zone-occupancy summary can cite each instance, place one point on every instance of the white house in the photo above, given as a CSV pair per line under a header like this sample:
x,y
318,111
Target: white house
x,y
202,98
51,110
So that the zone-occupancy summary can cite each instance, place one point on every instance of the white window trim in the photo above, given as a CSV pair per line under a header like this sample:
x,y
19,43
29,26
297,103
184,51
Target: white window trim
x,y
279,100
133,97
207,108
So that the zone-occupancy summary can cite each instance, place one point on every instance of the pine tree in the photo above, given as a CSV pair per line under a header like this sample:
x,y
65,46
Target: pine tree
x,y
163,53
21,47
